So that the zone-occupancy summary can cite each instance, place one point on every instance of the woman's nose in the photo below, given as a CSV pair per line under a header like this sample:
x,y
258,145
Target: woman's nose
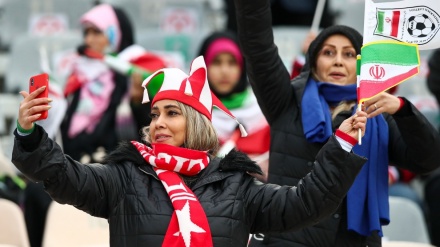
x,y
338,60
160,122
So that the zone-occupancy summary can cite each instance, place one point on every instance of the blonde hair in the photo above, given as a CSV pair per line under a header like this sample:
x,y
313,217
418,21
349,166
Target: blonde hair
x,y
200,133
343,106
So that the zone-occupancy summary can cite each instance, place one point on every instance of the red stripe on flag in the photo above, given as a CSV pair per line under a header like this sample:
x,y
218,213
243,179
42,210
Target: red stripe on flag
x,y
395,23
370,88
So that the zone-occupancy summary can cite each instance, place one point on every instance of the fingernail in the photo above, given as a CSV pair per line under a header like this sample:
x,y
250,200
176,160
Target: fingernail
x,y
49,100
355,115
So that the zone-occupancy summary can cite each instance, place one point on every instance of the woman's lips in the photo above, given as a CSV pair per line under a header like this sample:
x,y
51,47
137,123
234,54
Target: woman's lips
x,y
337,75
162,138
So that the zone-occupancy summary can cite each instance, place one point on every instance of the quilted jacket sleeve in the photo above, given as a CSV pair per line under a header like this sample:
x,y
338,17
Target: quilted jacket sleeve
x,y
268,76
274,208
85,186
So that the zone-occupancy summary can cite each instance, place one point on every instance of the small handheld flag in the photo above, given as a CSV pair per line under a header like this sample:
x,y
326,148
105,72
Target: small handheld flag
x,y
385,64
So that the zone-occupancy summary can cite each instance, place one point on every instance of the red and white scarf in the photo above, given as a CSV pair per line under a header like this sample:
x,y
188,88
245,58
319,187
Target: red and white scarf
x,y
188,226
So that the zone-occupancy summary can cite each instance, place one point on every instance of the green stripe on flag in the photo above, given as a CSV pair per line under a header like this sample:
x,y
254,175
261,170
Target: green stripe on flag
x,y
390,52
380,19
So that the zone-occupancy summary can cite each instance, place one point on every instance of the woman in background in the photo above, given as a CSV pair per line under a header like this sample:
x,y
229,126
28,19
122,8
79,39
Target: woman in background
x,y
94,90
228,81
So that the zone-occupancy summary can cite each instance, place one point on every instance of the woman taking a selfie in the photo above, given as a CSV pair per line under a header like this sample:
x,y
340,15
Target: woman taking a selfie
x,y
170,190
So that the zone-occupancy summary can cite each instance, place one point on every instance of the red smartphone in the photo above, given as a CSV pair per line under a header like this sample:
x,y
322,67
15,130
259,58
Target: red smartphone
x,y
36,82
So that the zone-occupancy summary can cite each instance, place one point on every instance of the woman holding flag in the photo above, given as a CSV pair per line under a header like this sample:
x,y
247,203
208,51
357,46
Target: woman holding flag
x,y
302,114
169,190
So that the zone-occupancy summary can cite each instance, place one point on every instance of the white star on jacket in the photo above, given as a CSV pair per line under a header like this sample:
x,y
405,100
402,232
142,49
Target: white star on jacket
x,y
186,225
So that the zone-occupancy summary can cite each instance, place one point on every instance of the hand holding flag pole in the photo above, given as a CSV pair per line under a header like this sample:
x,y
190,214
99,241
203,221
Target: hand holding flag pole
x,y
383,65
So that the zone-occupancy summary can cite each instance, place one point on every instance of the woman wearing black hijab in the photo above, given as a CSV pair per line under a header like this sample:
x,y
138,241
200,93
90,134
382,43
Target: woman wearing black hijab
x,y
303,112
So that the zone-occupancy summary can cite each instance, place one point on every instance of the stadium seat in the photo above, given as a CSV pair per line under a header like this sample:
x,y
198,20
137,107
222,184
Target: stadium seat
x,y
25,58
16,16
187,44
402,244
289,41
407,222
152,14
12,225
69,227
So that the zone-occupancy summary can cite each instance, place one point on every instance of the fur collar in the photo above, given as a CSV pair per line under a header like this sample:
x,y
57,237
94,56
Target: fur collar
x,y
233,161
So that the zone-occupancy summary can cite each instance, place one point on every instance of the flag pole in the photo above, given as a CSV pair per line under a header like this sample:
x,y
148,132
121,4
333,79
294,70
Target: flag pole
x,y
317,16
358,78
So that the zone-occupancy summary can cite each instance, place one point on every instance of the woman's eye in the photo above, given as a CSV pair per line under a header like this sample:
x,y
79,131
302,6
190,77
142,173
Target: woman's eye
x,y
328,52
153,115
173,113
350,54
216,62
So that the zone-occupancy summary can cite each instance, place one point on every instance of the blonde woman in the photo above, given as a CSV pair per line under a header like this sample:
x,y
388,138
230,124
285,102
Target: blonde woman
x,y
170,190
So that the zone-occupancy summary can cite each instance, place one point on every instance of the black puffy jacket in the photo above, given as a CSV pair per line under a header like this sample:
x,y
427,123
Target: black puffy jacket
x,y
128,193
413,143
433,78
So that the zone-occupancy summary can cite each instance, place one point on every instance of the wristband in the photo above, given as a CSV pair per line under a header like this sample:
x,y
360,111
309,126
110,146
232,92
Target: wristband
x,y
402,103
346,137
25,131
346,141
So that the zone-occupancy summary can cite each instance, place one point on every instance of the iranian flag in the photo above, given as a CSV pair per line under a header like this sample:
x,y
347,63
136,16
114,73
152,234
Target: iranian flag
x,y
388,22
385,64
410,21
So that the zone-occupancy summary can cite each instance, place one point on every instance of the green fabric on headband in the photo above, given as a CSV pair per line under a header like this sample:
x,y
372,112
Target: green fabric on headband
x,y
154,85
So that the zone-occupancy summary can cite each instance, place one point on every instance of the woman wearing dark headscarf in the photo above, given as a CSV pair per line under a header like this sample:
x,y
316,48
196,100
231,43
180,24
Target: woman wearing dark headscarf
x,y
228,81
303,112
93,89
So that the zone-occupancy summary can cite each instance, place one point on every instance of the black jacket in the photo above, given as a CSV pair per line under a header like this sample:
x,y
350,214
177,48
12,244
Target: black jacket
x,y
128,193
413,142
433,79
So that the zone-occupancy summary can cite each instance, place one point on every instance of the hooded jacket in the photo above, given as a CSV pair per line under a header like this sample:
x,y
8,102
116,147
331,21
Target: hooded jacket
x,y
413,142
128,193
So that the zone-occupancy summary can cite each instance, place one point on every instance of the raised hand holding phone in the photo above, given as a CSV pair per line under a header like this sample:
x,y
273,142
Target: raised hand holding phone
x,y
35,103
36,82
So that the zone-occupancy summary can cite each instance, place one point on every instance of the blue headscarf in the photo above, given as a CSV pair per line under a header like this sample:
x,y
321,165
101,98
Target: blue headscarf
x,y
367,199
